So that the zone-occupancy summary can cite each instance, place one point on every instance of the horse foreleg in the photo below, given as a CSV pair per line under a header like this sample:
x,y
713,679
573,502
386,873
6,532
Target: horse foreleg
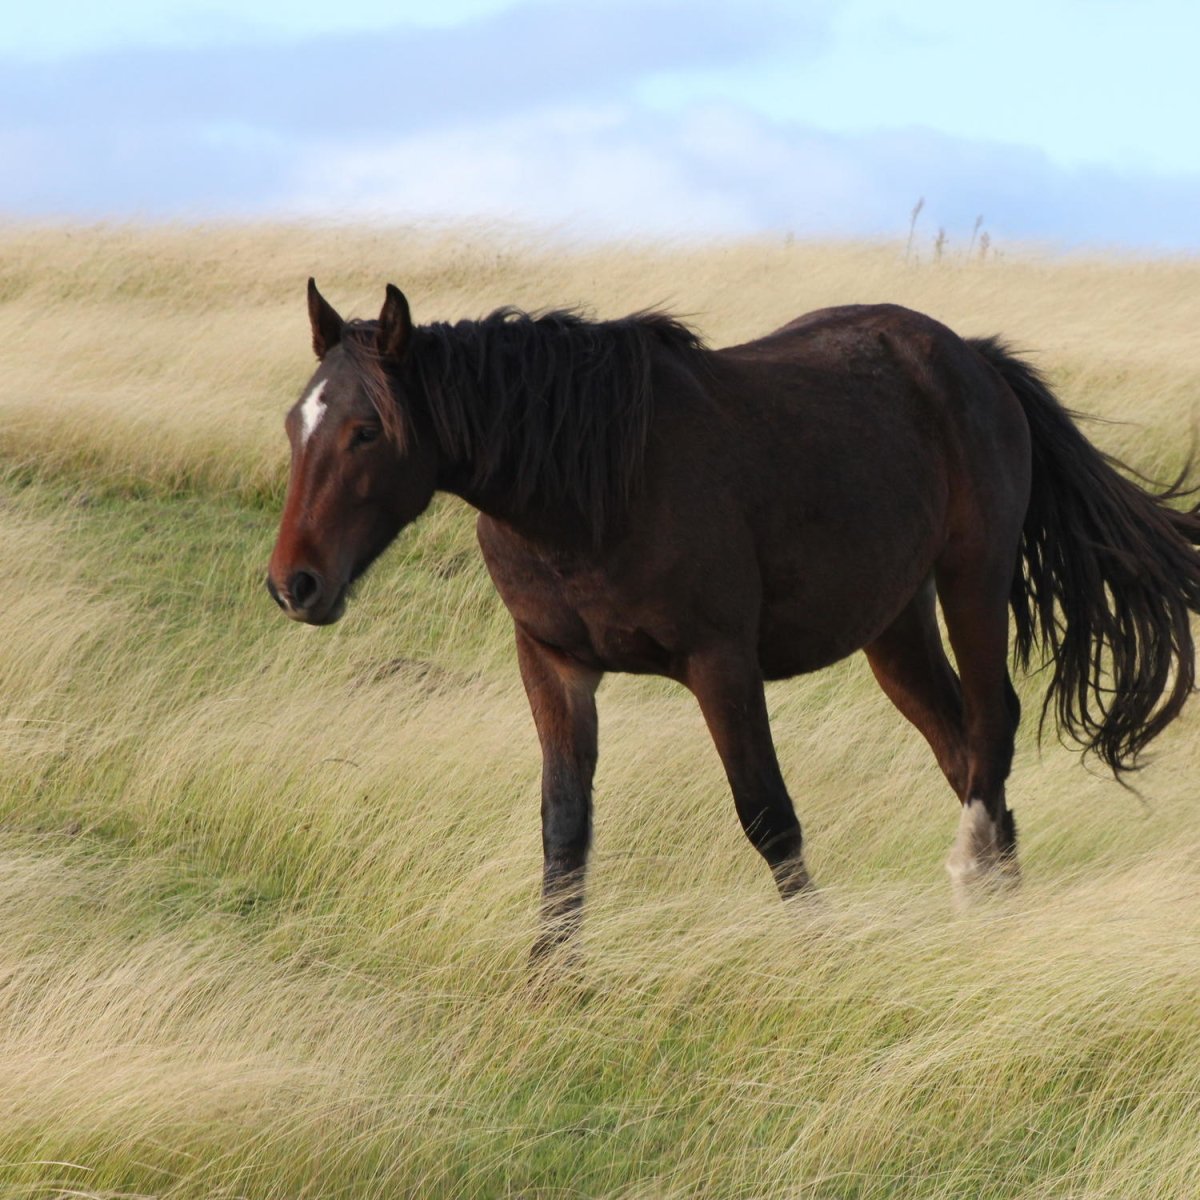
x,y
729,687
562,696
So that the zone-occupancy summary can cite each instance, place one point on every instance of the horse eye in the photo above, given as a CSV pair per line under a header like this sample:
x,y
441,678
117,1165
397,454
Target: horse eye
x,y
364,434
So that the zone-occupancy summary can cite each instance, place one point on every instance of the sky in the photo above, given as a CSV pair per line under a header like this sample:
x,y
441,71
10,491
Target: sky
x,y
1062,122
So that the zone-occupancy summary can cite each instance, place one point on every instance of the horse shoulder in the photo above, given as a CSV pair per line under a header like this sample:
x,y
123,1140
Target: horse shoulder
x,y
534,585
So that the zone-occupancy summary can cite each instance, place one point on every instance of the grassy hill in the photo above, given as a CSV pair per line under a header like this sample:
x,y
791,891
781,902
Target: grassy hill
x,y
266,893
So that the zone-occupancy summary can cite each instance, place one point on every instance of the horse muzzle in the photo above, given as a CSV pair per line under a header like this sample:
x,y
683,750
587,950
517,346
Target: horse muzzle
x,y
307,597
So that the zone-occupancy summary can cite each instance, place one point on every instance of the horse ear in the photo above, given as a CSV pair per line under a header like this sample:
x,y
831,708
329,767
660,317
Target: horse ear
x,y
326,324
395,324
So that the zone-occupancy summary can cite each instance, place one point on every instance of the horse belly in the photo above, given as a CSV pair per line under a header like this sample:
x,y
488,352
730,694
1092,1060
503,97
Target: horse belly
x,y
794,643
824,603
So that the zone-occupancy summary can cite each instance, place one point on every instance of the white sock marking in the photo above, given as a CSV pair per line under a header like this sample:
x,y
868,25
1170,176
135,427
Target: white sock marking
x,y
311,411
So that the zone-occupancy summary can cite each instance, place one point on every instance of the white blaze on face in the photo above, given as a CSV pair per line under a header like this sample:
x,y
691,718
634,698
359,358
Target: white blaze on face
x,y
312,409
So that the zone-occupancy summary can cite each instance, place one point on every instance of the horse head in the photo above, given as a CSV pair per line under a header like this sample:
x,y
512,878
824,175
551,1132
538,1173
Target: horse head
x,y
359,471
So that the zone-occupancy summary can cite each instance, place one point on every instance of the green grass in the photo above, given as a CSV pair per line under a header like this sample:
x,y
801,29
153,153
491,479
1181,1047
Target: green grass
x,y
266,894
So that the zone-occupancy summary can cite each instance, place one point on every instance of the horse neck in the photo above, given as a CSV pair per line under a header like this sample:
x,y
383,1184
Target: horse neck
x,y
540,520
534,519
525,483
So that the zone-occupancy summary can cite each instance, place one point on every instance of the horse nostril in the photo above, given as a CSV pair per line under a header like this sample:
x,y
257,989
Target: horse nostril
x,y
304,587
273,591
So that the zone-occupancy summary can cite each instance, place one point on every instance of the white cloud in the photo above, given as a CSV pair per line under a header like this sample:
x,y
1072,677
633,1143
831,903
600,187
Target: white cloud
x,y
615,170
582,170
545,114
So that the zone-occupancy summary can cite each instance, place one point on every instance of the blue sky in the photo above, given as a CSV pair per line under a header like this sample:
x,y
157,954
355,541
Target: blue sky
x,y
1067,122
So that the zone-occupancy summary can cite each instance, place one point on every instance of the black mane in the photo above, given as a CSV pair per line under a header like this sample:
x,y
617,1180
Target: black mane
x,y
554,407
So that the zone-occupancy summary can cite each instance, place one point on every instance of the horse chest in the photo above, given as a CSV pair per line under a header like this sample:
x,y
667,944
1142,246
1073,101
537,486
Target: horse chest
x,y
594,629
581,613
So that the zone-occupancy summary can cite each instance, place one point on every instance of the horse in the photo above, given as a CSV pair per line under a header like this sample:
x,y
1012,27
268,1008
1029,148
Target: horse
x,y
724,517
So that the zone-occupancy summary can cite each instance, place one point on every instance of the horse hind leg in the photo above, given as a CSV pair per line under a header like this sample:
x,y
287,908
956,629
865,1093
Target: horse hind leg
x,y
910,665
985,850
975,604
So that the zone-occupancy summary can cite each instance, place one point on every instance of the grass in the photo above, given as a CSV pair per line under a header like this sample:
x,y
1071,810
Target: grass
x,y
267,893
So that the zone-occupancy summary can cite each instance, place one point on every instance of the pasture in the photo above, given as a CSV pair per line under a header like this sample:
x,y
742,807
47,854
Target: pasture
x,y
267,892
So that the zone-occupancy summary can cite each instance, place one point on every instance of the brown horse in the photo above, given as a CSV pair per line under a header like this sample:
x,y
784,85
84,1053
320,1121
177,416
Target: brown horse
x,y
725,517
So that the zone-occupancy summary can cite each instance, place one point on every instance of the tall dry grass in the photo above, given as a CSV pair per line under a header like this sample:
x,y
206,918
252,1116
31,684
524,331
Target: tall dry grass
x,y
165,356
265,894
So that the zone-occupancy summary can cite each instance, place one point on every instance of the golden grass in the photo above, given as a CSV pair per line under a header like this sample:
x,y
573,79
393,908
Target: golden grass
x,y
266,894
166,356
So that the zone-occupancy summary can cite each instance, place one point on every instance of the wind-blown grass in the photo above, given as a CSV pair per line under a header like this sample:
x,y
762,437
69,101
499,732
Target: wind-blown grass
x,y
266,893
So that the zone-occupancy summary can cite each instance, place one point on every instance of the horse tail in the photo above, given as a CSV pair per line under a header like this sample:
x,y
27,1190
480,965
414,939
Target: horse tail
x,y
1105,583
